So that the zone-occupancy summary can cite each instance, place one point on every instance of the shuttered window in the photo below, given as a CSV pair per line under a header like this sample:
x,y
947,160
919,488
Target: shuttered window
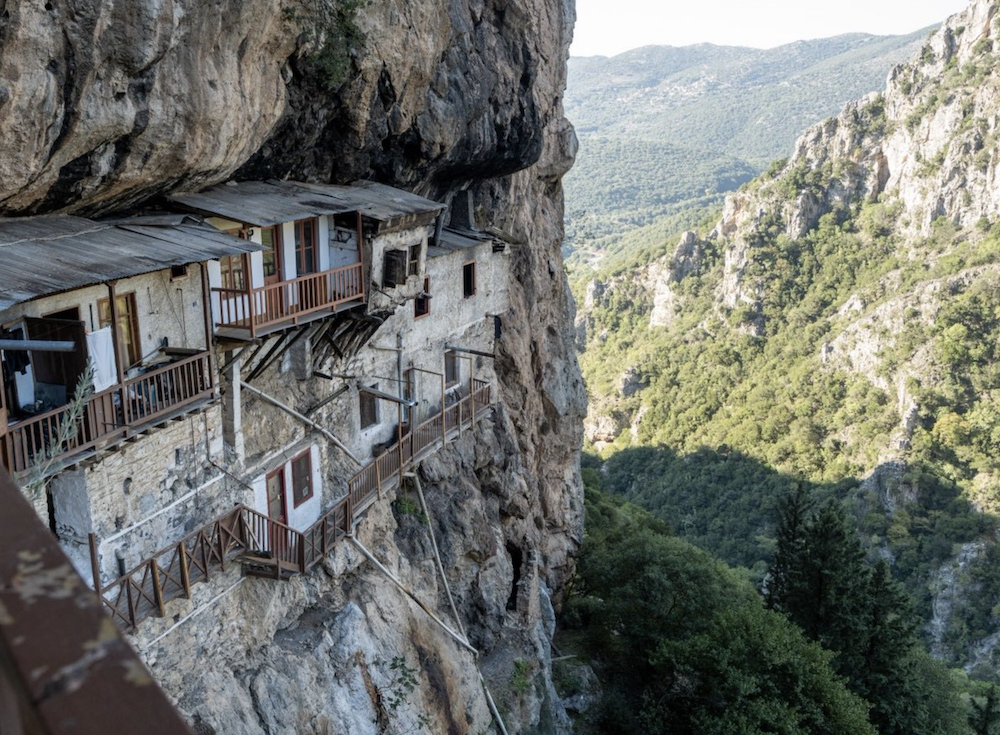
x,y
369,409
302,484
394,268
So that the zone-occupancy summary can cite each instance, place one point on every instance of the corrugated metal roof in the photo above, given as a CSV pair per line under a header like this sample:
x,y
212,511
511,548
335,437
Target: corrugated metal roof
x,y
264,203
50,254
452,240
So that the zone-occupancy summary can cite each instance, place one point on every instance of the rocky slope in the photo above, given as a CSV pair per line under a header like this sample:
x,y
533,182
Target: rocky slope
x,y
838,322
109,105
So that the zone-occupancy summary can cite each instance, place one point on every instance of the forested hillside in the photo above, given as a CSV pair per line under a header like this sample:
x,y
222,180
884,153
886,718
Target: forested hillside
x,y
662,129
836,327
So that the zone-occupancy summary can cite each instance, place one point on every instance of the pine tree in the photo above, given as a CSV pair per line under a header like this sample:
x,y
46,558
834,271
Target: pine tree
x,y
785,573
887,672
829,598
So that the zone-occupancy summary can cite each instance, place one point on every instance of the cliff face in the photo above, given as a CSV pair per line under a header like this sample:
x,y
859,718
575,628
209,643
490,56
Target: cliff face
x,y
106,105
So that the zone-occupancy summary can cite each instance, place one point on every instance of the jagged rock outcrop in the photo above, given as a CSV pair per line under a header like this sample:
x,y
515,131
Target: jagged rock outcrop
x,y
108,105
665,273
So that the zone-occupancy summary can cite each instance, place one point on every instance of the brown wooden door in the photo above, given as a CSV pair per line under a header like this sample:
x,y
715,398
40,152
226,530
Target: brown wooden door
x,y
270,237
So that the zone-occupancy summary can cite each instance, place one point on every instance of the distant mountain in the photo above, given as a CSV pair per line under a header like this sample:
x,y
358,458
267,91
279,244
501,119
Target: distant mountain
x,y
663,128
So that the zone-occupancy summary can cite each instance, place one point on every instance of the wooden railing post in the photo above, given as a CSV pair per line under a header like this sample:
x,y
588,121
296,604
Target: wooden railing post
x,y
222,548
444,414
275,550
185,572
323,540
157,590
95,564
378,478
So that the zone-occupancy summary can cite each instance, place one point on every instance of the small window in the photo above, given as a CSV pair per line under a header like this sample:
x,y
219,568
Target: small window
x,y
394,264
422,304
178,272
233,275
369,409
414,268
451,373
302,482
469,279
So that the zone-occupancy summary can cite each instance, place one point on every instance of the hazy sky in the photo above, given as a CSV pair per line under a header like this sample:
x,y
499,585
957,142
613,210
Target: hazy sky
x,y
611,26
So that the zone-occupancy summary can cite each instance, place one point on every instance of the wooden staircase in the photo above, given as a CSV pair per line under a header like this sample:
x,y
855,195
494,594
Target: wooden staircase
x,y
267,548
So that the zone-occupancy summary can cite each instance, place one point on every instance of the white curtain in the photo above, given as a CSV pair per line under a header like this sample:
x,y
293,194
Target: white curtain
x,y
101,347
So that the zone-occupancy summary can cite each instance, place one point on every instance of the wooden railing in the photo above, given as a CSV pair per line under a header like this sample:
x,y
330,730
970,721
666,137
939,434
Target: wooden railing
x,y
288,301
61,671
106,417
261,543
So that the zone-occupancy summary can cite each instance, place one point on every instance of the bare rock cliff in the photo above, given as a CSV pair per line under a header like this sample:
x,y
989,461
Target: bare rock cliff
x,y
108,105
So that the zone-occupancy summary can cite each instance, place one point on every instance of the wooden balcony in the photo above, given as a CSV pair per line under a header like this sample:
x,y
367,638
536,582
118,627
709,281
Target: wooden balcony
x,y
109,416
269,548
248,314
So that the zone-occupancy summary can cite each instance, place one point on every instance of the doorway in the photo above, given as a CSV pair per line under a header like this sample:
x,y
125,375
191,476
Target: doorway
x,y
277,505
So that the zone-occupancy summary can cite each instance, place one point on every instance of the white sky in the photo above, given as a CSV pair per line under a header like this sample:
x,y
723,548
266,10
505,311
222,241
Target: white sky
x,y
609,27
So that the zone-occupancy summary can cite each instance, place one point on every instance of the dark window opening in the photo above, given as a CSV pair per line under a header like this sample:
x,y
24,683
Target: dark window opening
x,y
469,280
302,484
451,372
394,264
233,275
516,560
369,408
51,507
422,304
178,271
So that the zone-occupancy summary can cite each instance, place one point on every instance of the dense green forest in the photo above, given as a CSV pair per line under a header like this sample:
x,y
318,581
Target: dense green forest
x,y
732,419
684,644
664,129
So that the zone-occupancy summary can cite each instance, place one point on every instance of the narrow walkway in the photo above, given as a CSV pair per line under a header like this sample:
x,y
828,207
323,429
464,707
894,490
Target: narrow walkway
x,y
268,548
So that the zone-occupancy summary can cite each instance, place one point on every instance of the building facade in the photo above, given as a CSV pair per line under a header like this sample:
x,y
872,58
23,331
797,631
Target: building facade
x,y
256,368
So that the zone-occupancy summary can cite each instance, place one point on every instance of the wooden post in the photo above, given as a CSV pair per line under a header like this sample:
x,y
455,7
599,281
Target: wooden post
x,y
322,544
248,289
222,548
157,590
205,557
444,415
378,478
95,565
472,383
275,552
185,572
206,296
399,440
361,251
119,362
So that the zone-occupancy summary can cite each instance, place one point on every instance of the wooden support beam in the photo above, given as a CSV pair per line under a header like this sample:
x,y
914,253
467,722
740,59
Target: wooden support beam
x,y
117,342
206,296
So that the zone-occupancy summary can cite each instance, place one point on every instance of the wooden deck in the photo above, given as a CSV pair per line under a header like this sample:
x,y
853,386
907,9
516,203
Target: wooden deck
x,y
251,313
109,417
268,548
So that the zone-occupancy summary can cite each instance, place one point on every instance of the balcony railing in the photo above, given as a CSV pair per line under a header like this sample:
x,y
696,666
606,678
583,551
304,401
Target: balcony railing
x,y
106,417
288,301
